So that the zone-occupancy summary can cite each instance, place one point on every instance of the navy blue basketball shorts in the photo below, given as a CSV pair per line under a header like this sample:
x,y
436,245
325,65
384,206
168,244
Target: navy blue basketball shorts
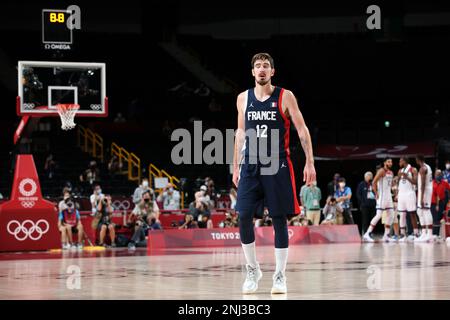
x,y
276,191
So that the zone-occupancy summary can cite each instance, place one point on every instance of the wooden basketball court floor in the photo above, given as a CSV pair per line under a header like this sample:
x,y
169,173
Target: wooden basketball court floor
x,y
320,271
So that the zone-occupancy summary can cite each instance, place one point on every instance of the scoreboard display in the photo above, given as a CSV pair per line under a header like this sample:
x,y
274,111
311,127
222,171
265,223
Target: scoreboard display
x,y
54,28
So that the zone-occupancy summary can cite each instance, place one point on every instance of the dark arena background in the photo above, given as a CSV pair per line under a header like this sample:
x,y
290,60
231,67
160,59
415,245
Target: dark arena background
x,y
109,208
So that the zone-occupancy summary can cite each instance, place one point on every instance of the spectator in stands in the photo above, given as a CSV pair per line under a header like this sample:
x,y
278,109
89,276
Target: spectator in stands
x,y
50,166
229,222
69,222
139,191
201,200
144,217
114,165
331,210
333,185
311,200
105,211
66,196
343,195
446,174
205,221
188,223
170,198
265,221
210,192
92,175
439,200
148,209
366,199
233,198
95,198
299,221
119,118
300,196
200,210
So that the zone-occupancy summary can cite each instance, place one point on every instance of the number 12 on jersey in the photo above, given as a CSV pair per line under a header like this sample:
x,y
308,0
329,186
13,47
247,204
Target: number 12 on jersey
x,y
261,131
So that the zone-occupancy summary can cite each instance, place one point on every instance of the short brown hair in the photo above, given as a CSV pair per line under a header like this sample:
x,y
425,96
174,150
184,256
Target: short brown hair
x,y
262,56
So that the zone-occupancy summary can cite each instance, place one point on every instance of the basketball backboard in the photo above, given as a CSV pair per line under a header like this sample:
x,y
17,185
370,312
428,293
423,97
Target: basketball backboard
x,y
45,84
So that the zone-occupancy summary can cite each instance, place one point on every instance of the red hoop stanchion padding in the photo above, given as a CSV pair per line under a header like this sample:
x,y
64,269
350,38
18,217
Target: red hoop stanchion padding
x,y
67,112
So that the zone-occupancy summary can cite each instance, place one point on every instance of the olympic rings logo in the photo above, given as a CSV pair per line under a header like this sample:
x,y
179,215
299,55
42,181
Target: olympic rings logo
x,y
96,107
28,228
121,205
25,182
290,233
27,204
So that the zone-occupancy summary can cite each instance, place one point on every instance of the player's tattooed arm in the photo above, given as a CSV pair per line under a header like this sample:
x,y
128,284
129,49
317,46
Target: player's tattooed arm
x,y
309,172
299,122
306,145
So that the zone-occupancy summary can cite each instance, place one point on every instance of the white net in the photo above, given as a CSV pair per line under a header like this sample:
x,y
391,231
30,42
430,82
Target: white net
x,y
67,114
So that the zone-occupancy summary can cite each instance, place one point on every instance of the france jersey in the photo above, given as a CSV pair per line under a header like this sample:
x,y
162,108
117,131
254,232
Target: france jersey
x,y
267,128
266,146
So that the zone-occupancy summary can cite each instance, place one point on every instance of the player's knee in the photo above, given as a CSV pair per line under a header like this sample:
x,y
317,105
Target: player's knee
x,y
281,232
246,228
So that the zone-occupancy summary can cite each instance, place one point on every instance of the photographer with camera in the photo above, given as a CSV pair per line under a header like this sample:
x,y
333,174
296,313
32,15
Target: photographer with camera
x,y
331,210
189,222
69,223
139,191
170,198
265,221
229,222
144,217
104,214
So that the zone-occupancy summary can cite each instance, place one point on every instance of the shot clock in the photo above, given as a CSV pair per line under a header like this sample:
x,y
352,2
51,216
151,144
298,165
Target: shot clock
x,y
55,33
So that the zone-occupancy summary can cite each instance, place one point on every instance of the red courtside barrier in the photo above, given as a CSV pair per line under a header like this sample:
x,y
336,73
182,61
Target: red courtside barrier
x,y
219,237
27,221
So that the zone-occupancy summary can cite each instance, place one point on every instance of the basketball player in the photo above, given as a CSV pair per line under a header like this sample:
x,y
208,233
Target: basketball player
x,y
267,111
425,190
382,188
407,196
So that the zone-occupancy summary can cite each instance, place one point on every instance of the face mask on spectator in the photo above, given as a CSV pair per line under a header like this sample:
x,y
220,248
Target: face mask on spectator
x,y
99,191
145,184
342,184
439,178
146,199
447,166
170,190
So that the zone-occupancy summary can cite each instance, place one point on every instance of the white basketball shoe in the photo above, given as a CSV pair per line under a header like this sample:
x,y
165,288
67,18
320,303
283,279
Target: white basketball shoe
x,y
254,274
279,283
367,238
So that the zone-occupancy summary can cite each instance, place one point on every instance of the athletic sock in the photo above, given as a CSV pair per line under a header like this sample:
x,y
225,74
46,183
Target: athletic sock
x,y
250,254
281,256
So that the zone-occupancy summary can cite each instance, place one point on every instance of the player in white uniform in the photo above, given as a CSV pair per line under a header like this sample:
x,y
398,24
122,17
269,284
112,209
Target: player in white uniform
x,y
382,188
425,190
407,196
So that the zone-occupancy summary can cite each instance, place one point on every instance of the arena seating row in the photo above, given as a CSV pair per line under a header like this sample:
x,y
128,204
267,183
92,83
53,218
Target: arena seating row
x,y
169,220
